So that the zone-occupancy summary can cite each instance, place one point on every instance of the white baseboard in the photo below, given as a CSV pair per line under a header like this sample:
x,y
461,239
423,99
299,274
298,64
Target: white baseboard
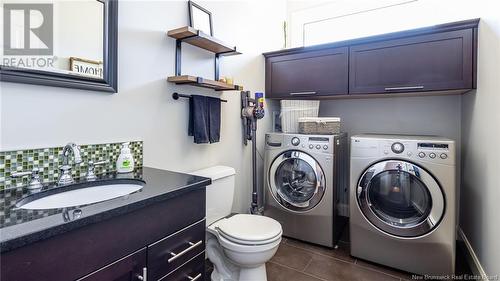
x,y
472,258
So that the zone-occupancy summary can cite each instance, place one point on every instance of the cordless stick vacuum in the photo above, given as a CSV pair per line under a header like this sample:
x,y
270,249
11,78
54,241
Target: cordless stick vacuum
x,y
251,111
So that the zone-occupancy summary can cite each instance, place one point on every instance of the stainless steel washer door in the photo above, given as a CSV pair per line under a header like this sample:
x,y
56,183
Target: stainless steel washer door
x,y
296,181
400,198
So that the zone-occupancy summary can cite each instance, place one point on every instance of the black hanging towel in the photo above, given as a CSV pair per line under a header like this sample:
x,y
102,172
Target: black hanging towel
x,y
214,119
198,119
204,119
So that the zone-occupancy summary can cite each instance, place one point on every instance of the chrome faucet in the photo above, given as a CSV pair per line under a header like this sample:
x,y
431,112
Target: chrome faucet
x,y
65,177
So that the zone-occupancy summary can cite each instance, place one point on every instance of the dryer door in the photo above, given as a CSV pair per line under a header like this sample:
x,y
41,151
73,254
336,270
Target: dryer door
x,y
400,198
296,181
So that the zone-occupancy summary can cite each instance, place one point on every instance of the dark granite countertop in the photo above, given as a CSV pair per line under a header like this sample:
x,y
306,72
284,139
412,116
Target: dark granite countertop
x,y
20,227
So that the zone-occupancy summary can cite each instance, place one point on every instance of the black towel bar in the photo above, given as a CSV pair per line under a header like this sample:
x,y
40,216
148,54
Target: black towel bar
x,y
176,96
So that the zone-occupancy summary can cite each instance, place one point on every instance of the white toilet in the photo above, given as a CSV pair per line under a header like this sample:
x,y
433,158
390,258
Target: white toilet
x,y
239,246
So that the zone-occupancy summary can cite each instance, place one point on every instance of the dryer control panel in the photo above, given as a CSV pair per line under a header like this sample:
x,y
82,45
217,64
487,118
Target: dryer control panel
x,y
430,149
433,150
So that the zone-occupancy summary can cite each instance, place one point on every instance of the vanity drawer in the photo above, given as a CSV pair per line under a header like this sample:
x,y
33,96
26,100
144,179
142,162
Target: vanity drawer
x,y
171,252
190,271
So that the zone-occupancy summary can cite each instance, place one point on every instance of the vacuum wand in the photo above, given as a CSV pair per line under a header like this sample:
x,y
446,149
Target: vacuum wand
x,y
252,110
255,197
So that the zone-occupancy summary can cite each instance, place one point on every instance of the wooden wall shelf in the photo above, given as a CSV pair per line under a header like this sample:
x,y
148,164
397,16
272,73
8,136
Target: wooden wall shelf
x,y
202,82
204,41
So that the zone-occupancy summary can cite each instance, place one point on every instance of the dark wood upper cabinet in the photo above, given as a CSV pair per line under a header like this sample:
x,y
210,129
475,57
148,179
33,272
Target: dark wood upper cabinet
x,y
434,62
316,73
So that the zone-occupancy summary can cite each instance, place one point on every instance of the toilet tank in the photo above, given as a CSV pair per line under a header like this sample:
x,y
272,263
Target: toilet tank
x,y
219,195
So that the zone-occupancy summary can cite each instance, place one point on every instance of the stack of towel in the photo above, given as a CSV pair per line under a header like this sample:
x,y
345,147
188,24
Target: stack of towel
x,y
204,119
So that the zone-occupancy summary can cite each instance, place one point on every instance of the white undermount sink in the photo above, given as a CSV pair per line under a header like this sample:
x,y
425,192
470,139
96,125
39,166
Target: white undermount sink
x,y
82,196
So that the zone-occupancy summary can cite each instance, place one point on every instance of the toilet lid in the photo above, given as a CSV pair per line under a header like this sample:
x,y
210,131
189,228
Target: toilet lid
x,y
249,228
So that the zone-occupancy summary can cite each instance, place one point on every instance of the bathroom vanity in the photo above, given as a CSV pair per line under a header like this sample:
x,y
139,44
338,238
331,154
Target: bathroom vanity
x,y
156,233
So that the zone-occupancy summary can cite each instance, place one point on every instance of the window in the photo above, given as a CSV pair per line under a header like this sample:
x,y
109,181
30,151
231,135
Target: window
x,y
330,21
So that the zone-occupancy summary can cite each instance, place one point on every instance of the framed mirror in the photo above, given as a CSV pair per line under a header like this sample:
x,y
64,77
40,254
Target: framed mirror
x,y
71,44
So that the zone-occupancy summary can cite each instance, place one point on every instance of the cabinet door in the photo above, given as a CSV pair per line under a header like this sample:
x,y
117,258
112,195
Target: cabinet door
x,y
440,61
312,73
129,268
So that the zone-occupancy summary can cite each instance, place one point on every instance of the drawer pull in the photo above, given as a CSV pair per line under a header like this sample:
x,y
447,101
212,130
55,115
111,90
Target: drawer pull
x,y
404,88
144,276
302,93
194,278
191,246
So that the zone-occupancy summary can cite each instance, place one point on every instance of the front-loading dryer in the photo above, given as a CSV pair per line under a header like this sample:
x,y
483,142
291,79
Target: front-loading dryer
x,y
306,183
402,202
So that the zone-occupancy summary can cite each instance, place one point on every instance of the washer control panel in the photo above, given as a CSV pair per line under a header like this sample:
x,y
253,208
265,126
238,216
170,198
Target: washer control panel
x,y
307,143
318,144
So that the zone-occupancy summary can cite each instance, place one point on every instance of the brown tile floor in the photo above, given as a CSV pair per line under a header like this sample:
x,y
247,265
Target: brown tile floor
x,y
300,261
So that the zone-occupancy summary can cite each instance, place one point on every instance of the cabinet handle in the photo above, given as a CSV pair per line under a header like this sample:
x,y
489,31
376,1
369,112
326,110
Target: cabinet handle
x,y
194,278
404,88
302,93
191,246
144,276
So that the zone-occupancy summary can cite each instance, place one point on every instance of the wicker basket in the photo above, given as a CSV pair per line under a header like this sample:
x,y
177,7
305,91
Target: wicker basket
x,y
292,110
319,125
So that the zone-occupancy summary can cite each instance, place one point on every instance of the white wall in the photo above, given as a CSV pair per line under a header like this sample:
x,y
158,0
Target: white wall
x,y
480,136
37,116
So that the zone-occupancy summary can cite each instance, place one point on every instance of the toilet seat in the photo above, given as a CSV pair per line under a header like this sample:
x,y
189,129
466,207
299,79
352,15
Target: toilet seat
x,y
251,249
249,242
244,229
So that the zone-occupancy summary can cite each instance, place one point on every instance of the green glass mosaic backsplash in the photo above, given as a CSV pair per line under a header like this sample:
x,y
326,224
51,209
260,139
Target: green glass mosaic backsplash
x,y
48,161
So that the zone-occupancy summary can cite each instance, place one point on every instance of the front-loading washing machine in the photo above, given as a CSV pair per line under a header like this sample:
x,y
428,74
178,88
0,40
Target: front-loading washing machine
x,y
402,202
306,184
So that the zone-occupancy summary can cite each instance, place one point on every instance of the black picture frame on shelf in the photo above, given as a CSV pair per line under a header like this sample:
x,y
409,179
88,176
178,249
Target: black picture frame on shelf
x,y
109,83
200,23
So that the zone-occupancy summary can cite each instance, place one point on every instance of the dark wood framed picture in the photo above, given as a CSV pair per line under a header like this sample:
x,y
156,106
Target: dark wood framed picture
x,y
200,18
